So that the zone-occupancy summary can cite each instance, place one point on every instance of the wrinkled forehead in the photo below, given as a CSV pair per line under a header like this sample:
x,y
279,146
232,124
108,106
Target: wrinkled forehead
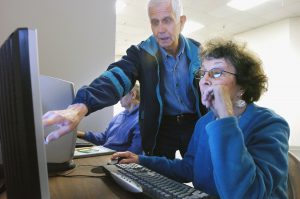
x,y
210,63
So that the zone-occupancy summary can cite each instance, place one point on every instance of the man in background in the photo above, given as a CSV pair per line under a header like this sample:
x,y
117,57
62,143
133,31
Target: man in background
x,y
123,132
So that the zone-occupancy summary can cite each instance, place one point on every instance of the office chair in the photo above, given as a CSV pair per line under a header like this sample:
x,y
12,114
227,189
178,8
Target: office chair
x,y
294,177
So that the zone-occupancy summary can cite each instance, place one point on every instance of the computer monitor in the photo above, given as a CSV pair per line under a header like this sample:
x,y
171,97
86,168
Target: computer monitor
x,y
57,94
21,130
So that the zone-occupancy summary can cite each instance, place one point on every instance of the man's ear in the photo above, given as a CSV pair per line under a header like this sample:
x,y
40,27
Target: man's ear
x,y
182,22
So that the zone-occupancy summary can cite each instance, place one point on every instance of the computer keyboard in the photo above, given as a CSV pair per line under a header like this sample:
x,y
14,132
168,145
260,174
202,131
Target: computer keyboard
x,y
138,179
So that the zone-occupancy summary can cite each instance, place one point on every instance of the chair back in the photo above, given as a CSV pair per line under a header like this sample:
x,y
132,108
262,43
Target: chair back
x,y
294,177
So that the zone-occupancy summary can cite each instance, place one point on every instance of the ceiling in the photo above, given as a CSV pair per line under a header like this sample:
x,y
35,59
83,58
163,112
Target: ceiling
x,y
219,20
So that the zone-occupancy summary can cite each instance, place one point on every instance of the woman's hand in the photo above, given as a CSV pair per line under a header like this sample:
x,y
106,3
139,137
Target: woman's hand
x,y
217,98
125,157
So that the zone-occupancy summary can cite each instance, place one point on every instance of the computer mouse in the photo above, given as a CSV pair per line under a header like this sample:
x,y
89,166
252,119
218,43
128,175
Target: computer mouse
x,y
115,161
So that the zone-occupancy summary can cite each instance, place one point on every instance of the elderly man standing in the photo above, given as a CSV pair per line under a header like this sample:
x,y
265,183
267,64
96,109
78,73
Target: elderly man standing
x,y
165,65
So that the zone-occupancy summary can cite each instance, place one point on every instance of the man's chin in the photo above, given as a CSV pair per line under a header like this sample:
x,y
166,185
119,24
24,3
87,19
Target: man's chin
x,y
165,44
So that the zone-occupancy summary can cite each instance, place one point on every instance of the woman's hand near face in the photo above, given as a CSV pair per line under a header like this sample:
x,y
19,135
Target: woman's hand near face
x,y
217,98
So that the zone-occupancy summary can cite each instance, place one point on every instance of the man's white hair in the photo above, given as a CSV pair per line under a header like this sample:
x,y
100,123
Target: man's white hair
x,y
176,6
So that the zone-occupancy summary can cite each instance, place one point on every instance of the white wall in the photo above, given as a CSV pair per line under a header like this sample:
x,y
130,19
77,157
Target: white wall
x,y
76,40
278,45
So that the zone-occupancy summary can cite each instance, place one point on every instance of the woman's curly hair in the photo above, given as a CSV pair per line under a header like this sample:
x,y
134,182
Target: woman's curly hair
x,y
249,72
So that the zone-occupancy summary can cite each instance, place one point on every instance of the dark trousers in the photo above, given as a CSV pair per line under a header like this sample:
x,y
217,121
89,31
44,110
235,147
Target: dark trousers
x,y
174,134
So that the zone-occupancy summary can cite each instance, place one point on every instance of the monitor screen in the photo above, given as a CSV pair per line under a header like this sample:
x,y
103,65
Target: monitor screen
x,y
21,130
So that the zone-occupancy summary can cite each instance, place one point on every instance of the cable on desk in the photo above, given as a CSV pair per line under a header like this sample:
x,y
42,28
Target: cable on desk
x,y
88,165
84,176
97,170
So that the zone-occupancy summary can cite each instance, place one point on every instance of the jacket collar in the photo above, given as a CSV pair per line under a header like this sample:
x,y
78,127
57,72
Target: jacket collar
x,y
192,50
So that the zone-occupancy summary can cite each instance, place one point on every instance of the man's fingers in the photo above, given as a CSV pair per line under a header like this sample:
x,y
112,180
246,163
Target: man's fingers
x,y
51,118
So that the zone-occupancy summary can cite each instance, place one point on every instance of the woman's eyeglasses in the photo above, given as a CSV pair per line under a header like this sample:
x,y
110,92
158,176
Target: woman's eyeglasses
x,y
212,73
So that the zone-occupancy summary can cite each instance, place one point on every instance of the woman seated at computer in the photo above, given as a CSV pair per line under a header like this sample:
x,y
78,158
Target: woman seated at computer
x,y
238,149
123,132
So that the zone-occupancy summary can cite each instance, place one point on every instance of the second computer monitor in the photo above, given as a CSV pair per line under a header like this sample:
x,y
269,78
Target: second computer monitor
x,y
57,94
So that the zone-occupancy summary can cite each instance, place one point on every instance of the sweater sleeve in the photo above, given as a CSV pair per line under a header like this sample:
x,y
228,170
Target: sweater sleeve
x,y
136,140
110,86
168,167
179,170
252,168
99,138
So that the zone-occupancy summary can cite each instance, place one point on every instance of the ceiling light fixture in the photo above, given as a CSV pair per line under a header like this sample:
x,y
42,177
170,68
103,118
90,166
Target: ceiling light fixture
x,y
191,26
245,4
120,5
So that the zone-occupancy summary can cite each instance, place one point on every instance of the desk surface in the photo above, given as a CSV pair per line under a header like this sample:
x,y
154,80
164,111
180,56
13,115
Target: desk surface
x,y
82,185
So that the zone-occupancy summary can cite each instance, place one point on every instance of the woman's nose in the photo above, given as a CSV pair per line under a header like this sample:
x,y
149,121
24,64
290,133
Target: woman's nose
x,y
205,80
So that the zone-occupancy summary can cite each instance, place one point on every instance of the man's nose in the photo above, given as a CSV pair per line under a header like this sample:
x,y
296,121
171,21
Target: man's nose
x,y
161,28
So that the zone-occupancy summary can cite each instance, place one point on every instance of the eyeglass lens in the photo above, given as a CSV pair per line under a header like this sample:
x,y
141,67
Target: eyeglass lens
x,y
213,73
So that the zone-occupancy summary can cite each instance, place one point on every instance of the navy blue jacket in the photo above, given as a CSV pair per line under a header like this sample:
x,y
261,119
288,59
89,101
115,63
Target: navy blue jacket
x,y
141,63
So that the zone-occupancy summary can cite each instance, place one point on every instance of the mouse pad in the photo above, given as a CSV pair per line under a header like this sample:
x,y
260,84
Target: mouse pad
x,y
97,170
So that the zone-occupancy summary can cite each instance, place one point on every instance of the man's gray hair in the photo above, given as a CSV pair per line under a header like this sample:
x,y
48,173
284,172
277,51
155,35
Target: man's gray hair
x,y
176,6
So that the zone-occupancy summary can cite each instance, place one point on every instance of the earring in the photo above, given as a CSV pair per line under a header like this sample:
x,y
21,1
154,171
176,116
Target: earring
x,y
240,103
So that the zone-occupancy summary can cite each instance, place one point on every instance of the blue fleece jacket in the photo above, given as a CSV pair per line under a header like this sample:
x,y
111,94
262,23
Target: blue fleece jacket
x,y
122,133
234,158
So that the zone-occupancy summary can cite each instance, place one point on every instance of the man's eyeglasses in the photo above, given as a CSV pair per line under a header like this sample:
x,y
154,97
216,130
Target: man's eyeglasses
x,y
212,73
